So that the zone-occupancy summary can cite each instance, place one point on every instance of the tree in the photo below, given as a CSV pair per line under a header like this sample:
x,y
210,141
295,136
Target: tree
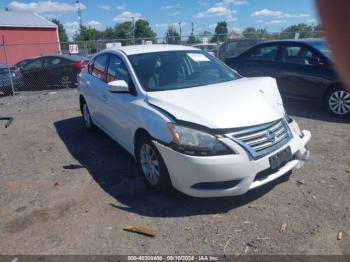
x,y
172,37
304,31
191,39
317,31
109,33
221,32
143,30
124,31
61,31
252,32
249,32
86,33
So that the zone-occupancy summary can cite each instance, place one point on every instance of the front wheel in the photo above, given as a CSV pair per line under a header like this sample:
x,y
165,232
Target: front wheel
x,y
338,102
152,165
86,116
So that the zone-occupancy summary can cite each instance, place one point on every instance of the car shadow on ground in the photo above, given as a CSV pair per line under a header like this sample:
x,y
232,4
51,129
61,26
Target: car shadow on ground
x,y
116,172
311,110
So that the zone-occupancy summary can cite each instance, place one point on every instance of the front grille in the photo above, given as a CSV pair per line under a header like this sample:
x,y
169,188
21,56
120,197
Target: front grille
x,y
263,139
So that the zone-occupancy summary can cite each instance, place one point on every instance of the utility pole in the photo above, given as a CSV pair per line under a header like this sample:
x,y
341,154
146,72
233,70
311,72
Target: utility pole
x,y
180,30
79,13
133,30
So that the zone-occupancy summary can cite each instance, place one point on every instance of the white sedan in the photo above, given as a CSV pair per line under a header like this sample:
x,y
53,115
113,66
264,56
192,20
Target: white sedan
x,y
190,121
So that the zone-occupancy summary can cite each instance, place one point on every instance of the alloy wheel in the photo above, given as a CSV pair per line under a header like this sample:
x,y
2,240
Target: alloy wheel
x,y
66,81
339,102
149,164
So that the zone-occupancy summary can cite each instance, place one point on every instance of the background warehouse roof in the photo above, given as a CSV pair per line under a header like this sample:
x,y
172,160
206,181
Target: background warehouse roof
x,y
10,18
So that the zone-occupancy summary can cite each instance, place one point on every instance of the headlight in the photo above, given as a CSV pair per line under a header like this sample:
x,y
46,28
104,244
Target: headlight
x,y
194,142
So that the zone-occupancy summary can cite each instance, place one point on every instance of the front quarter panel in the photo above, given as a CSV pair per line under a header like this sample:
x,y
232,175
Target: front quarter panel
x,y
153,121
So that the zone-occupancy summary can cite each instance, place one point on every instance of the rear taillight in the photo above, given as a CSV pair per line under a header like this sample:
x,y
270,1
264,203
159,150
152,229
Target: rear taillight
x,y
79,65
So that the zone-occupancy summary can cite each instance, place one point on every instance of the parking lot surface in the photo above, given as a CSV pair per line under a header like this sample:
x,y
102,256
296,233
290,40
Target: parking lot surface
x,y
64,190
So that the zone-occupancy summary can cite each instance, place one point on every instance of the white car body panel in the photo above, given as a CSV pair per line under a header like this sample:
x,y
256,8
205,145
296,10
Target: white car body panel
x,y
235,104
238,103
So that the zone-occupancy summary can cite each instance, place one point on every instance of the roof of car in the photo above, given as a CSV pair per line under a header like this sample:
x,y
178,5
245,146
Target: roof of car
x,y
141,49
301,40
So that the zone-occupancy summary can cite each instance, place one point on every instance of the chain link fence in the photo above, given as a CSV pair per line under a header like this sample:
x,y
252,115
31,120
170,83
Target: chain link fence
x,y
45,66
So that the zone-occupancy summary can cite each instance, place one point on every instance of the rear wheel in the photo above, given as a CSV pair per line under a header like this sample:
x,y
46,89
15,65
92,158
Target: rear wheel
x,y
338,102
151,165
86,116
67,81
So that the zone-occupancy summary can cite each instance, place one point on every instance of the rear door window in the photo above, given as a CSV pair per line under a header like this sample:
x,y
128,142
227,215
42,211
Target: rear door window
x,y
99,67
264,53
296,54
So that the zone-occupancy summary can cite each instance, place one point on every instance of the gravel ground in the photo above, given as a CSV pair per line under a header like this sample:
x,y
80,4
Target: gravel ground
x,y
66,191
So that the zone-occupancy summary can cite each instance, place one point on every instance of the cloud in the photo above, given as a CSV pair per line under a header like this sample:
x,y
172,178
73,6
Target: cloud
x,y
120,7
277,21
259,21
278,14
212,26
127,16
218,11
105,7
94,24
71,28
167,7
174,14
161,26
237,29
266,12
234,2
45,7
202,3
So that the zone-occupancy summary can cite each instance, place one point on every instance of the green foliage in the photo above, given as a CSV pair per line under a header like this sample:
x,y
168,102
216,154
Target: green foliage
x,y
109,33
221,32
87,33
143,30
123,30
304,30
192,39
252,32
61,31
172,36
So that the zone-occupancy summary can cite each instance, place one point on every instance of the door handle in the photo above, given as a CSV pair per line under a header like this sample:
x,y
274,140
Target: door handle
x,y
104,98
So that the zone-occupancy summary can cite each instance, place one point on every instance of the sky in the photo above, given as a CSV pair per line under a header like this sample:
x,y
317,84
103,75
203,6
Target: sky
x,y
204,14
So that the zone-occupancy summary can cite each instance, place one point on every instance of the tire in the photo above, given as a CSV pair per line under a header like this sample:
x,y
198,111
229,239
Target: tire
x,y
152,166
338,102
87,117
67,81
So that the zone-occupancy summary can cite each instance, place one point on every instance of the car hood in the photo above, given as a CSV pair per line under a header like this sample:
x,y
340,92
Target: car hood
x,y
239,103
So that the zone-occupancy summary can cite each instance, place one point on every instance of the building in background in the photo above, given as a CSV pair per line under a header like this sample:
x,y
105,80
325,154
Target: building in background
x,y
24,35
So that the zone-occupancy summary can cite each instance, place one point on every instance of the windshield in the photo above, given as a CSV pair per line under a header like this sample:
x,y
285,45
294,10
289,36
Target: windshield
x,y
322,47
179,69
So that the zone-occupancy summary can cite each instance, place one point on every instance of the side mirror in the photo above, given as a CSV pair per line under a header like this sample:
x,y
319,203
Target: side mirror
x,y
118,86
